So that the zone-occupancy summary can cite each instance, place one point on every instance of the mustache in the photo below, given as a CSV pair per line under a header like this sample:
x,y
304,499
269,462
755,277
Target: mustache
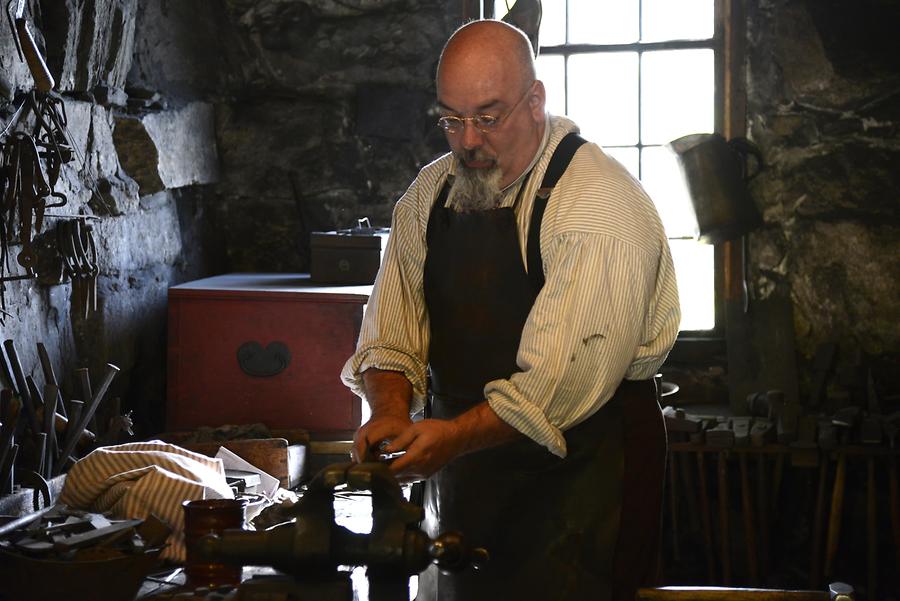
x,y
468,156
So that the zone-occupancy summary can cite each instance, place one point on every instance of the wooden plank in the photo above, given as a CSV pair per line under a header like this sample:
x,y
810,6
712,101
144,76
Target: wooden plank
x,y
714,593
282,457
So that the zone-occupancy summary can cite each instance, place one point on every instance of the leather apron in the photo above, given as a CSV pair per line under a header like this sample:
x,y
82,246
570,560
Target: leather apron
x,y
551,525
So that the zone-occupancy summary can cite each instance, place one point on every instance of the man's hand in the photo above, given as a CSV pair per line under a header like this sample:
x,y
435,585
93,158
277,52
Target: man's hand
x,y
429,444
378,428
432,443
388,393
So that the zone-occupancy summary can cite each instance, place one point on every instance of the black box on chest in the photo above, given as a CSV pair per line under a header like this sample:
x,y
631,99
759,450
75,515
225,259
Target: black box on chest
x,y
350,256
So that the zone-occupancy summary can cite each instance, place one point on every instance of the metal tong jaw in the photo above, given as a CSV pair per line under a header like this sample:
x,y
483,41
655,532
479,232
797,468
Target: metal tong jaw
x,y
25,188
51,139
24,183
75,240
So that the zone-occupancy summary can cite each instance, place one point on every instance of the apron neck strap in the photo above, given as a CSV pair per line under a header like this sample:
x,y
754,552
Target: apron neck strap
x,y
559,162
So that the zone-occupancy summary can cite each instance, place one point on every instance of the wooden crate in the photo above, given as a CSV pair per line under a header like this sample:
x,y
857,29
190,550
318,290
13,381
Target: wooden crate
x,y
213,321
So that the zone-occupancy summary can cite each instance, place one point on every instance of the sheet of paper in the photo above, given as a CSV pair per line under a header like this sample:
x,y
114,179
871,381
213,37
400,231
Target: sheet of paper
x,y
268,483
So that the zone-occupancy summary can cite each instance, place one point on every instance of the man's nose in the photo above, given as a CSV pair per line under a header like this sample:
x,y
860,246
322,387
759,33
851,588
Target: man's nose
x,y
472,136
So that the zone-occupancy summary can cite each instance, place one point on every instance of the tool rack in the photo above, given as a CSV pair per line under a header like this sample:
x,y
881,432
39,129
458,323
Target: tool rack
x,y
739,505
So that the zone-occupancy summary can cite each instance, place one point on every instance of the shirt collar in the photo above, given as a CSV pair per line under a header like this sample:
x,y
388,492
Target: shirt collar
x,y
535,158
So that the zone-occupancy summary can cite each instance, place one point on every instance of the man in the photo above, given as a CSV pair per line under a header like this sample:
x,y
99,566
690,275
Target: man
x,y
534,327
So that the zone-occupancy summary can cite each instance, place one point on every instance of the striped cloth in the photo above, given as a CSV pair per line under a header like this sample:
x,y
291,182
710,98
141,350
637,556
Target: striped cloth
x,y
133,480
608,310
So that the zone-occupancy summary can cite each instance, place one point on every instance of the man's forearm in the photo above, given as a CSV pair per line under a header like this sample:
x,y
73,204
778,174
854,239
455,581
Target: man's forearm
x,y
388,392
481,428
432,443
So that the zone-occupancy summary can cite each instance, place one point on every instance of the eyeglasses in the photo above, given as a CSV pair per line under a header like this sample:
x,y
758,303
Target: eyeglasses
x,y
484,123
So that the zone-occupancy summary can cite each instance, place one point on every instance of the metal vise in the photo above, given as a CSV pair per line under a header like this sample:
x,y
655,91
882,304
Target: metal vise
x,y
312,548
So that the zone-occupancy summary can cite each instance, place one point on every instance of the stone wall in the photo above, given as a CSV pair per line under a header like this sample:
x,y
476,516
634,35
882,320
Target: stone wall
x,y
330,122
146,233
824,106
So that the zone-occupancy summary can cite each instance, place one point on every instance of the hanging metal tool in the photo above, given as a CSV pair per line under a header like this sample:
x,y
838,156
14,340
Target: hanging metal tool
x,y
30,163
75,242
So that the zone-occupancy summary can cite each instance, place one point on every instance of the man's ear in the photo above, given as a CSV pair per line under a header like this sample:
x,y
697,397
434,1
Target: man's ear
x,y
537,101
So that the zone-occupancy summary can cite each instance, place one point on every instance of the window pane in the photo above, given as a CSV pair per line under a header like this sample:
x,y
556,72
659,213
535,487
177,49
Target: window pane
x,y
551,71
603,21
603,97
694,270
677,20
553,23
628,157
677,94
665,184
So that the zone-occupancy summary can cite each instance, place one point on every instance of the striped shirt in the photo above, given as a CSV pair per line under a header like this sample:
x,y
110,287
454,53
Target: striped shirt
x,y
608,309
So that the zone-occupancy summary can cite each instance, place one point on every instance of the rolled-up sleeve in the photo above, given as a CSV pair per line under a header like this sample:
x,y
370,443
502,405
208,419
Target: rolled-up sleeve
x,y
395,334
581,337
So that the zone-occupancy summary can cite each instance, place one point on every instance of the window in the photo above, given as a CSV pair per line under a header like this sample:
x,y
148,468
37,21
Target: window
x,y
635,75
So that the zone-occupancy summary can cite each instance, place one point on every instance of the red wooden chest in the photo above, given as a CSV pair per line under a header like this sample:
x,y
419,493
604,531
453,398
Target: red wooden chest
x,y
246,348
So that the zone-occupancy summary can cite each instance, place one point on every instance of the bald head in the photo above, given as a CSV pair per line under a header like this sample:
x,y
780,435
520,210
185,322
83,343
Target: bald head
x,y
488,49
486,74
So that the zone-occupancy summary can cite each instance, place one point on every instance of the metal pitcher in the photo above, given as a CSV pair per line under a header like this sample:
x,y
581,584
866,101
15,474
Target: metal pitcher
x,y
716,172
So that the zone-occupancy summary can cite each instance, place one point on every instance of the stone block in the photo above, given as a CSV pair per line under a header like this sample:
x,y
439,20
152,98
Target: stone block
x,y
138,240
390,112
14,74
89,43
114,195
110,96
184,49
168,149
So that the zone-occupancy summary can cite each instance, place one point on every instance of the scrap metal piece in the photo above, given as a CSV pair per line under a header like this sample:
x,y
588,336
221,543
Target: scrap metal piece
x,y
762,432
758,404
741,427
721,436
678,421
32,479
788,423
827,436
870,431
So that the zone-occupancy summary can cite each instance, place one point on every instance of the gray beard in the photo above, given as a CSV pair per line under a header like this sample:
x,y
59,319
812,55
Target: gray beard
x,y
475,189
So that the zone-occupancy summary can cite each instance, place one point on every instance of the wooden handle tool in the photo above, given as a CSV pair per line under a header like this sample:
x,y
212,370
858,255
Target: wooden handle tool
x,y
43,81
834,519
749,522
22,386
706,519
88,413
724,518
50,376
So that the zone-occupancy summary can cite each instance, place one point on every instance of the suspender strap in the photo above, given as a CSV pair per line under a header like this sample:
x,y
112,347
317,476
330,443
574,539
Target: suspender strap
x,y
439,202
559,162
